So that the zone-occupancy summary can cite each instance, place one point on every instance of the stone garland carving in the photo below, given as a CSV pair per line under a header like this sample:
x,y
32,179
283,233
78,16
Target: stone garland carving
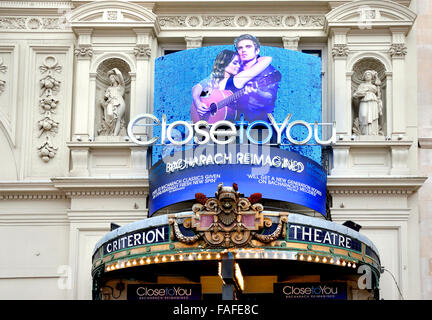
x,y
47,125
49,87
267,21
31,23
3,69
2,86
340,50
242,21
206,21
223,21
398,50
227,220
47,151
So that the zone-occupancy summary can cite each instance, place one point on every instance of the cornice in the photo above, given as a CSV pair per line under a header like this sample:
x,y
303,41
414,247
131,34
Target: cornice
x,y
365,214
29,190
374,184
373,143
102,145
64,188
101,193
102,215
367,191
92,184
22,195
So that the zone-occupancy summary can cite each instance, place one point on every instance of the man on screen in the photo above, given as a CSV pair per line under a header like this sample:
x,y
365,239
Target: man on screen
x,y
261,101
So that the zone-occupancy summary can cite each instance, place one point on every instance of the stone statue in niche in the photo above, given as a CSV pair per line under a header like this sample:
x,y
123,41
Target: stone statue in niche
x,y
370,106
113,105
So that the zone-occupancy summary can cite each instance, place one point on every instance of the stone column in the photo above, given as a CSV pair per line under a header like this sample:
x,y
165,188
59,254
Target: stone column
x,y
143,53
92,104
398,51
341,107
193,42
141,92
291,43
389,103
82,104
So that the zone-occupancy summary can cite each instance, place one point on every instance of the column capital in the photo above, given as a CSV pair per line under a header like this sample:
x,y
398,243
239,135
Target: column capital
x,y
143,36
340,31
340,51
84,36
142,51
193,42
291,43
83,52
398,50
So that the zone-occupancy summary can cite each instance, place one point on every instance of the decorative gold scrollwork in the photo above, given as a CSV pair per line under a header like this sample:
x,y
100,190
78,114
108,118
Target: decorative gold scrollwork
x,y
181,236
228,220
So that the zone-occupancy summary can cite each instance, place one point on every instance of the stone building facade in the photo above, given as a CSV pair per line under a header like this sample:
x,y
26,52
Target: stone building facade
x,y
65,175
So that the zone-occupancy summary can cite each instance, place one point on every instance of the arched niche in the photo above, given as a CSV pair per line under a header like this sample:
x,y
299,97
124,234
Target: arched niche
x,y
102,83
358,69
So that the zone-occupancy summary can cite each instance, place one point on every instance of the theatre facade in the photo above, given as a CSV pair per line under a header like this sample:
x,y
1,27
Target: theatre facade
x,y
115,184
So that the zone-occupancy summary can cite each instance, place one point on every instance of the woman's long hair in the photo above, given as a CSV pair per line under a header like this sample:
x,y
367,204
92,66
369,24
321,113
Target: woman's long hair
x,y
222,60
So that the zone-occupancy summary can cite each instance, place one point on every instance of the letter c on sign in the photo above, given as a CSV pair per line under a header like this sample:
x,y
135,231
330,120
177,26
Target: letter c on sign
x,y
134,122
139,293
253,309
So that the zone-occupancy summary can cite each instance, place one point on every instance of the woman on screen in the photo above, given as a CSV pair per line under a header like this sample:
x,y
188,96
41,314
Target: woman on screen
x,y
225,76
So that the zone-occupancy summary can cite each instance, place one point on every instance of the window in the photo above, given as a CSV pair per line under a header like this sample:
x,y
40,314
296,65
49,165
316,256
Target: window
x,y
316,53
169,51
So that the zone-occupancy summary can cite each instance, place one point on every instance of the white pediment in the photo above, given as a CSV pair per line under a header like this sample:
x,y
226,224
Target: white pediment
x,y
371,13
112,14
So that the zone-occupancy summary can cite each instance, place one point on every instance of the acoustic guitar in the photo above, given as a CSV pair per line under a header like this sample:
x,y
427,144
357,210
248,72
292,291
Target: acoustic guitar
x,y
220,102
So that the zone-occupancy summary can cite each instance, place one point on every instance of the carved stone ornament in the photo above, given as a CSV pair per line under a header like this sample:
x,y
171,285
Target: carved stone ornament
x,y
142,51
398,50
47,125
48,103
242,21
340,50
47,151
83,52
2,86
31,23
49,86
227,220
3,69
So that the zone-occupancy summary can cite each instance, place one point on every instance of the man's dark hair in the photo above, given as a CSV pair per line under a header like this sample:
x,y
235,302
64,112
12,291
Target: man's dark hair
x,y
247,37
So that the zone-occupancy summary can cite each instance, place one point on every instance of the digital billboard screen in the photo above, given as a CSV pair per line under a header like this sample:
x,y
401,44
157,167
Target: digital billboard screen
x,y
213,102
